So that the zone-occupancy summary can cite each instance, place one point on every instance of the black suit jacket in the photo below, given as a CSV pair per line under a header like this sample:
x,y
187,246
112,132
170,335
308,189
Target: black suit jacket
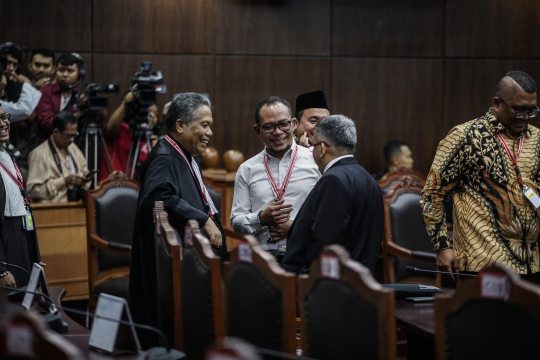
x,y
345,207
164,176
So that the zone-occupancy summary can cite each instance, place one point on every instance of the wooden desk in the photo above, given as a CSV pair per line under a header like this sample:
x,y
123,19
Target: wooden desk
x,y
61,230
419,322
76,334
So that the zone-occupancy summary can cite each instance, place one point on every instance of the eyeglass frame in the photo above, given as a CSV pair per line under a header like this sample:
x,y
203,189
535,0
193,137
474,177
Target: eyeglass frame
x,y
527,113
312,147
274,126
5,117
69,136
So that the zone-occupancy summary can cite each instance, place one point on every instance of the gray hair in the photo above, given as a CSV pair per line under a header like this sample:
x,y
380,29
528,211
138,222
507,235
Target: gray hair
x,y
185,106
339,131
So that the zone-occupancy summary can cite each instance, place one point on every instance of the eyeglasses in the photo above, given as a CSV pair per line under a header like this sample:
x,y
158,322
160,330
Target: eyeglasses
x,y
283,126
520,114
69,136
5,117
312,147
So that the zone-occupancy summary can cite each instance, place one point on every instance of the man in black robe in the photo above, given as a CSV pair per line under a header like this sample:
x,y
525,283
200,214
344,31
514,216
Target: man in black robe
x,y
171,175
18,239
345,207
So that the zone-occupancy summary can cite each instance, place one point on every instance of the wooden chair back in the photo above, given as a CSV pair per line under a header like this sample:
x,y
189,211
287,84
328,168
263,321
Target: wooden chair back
x,y
393,176
406,241
189,285
202,292
260,298
168,254
110,219
493,316
345,312
26,337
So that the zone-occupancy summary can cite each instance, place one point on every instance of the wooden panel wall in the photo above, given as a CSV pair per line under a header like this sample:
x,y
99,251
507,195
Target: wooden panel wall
x,y
401,69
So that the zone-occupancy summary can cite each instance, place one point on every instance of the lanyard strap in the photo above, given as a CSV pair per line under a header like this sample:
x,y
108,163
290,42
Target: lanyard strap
x,y
57,158
280,192
511,155
206,198
18,180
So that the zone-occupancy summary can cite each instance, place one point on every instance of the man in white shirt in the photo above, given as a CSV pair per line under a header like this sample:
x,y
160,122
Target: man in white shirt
x,y
271,186
311,108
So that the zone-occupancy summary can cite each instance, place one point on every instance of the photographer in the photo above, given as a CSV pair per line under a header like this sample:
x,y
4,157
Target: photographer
x,y
58,171
119,137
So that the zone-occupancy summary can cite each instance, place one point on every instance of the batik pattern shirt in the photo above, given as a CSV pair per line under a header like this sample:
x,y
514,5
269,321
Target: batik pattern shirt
x,y
493,221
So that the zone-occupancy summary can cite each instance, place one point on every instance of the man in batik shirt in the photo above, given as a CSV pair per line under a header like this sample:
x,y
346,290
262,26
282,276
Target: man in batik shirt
x,y
490,168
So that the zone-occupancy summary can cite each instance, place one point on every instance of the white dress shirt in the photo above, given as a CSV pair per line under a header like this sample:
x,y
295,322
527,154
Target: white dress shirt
x,y
14,199
22,108
329,165
253,192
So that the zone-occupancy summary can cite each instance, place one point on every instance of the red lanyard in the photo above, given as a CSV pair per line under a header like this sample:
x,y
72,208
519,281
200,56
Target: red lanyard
x,y
511,155
203,193
280,192
18,180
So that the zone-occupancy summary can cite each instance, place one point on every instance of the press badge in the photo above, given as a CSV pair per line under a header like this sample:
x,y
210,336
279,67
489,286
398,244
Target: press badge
x,y
273,246
531,195
28,222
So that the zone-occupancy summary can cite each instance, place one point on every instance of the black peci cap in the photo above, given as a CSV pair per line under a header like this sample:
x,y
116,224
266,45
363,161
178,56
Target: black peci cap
x,y
312,100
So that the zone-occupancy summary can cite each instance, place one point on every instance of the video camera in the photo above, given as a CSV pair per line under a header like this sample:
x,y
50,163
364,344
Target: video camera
x,y
144,92
94,101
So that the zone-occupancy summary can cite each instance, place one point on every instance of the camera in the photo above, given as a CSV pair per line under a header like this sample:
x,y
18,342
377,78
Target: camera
x,y
95,101
144,90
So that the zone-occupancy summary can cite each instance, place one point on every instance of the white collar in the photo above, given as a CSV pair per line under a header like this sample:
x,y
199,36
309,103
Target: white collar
x,y
329,165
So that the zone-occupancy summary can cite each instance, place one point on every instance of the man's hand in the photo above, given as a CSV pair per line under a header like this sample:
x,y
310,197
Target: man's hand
x,y
42,82
8,281
16,77
74,180
280,231
447,261
276,213
214,235
304,140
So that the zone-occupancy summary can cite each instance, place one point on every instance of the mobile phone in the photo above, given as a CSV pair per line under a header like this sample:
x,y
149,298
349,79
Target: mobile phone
x,y
90,174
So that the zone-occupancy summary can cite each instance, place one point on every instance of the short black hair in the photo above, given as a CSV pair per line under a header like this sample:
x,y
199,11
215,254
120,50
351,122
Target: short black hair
x,y
63,119
13,50
393,148
271,100
45,52
505,90
67,59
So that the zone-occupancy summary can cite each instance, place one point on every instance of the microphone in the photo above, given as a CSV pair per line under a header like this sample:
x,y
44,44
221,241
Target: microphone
x,y
52,317
412,269
155,353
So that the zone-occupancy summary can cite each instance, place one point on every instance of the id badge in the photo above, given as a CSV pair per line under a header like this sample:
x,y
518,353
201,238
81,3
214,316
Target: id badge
x,y
29,220
531,196
273,246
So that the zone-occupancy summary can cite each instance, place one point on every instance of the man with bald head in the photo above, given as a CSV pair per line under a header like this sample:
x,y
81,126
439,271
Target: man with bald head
x,y
489,167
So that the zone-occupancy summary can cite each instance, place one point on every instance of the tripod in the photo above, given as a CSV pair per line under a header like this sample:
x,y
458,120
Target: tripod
x,y
91,134
141,130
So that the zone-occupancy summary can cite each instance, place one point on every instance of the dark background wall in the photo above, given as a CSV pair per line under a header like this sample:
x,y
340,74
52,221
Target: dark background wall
x,y
401,69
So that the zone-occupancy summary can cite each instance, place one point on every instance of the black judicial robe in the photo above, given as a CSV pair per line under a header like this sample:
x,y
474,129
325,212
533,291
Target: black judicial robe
x,y
17,246
164,176
345,207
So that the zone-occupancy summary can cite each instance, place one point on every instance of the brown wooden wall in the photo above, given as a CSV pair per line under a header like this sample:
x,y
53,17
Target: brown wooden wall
x,y
406,70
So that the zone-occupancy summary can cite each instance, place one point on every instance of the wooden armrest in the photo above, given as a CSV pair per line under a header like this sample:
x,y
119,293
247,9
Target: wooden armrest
x,y
101,243
119,246
424,255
